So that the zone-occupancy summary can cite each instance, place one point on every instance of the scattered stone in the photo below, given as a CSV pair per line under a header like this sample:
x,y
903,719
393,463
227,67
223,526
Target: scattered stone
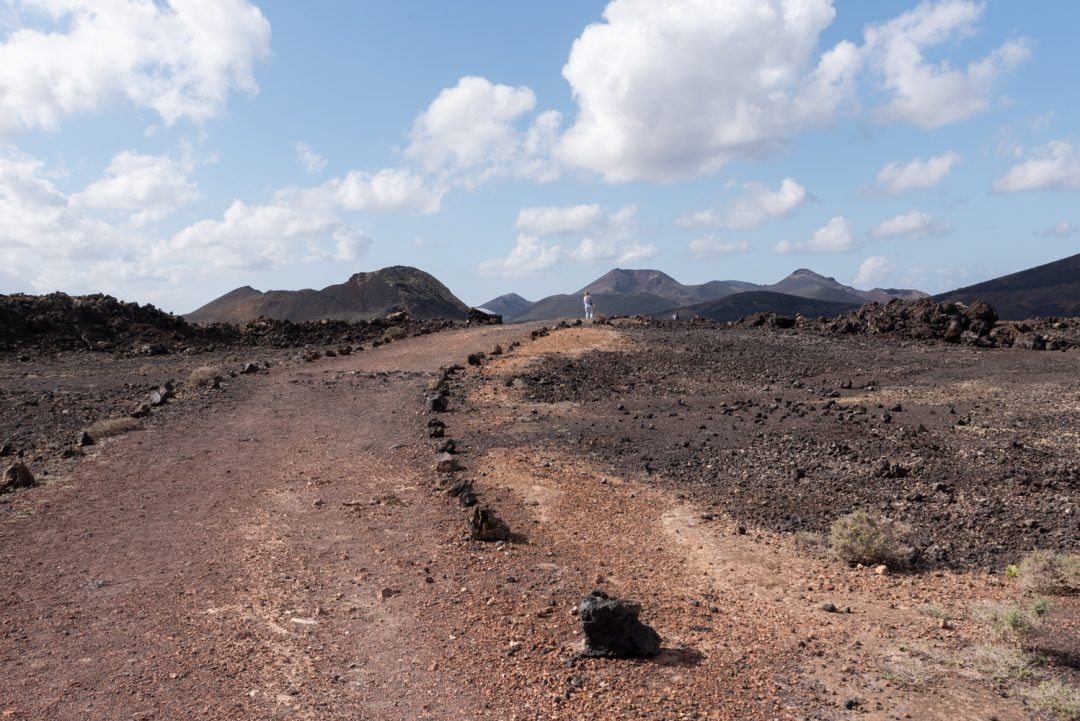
x,y
881,569
85,439
829,608
436,403
6,450
141,411
446,463
16,476
476,359
156,398
612,628
386,593
485,525
250,367
446,446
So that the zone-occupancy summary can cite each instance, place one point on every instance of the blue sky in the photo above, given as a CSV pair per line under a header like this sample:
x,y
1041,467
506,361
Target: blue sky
x,y
169,152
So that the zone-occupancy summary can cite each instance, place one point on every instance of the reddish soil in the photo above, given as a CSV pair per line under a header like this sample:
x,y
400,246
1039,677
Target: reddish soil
x,y
278,548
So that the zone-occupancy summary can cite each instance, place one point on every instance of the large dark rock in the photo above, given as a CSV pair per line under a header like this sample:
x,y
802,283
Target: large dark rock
x,y
612,628
16,476
480,317
485,525
436,403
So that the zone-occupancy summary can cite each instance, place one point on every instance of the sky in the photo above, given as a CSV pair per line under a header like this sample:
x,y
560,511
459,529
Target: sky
x,y
168,152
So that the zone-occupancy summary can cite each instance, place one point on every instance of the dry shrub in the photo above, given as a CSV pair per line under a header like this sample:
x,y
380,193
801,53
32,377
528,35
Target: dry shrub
x,y
1049,572
112,427
1000,663
396,332
870,539
1058,699
1011,622
204,376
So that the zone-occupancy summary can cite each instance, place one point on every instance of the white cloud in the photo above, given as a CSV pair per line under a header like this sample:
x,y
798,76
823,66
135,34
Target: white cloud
x,y
151,186
636,252
267,236
896,178
313,162
40,226
387,189
1060,229
711,247
1053,166
49,239
913,224
601,235
181,59
760,203
872,271
698,219
528,257
834,237
558,220
931,94
470,131
668,91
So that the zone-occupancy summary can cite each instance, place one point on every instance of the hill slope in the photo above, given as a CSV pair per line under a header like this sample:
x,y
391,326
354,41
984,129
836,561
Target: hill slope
x,y
508,306
570,306
361,297
1052,289
741,305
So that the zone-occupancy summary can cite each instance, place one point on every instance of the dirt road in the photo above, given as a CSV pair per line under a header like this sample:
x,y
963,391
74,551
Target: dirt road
x,y
286,555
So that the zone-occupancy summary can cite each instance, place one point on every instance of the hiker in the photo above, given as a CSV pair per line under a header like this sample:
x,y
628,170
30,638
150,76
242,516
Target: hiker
x,y
588,306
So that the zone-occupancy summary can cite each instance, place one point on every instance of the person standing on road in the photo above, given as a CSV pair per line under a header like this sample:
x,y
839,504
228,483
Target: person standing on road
x,y
588,306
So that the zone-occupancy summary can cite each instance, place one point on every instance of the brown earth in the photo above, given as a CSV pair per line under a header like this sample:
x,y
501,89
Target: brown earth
x,y
278,547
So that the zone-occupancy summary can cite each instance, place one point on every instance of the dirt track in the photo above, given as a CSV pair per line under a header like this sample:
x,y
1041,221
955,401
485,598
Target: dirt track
x,y
285,556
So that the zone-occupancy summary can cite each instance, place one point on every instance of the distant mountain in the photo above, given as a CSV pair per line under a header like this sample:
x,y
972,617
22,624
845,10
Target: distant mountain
x,y
1052,289
362,297
884,295
741,305
652,292
572,306
808,284
508,306
655,282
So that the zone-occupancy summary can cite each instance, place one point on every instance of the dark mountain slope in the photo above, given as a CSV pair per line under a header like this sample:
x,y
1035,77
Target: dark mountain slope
x,y
362,297
1052,289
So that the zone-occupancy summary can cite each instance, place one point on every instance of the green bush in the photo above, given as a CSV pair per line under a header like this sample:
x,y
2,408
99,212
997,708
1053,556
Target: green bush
x,y
870,539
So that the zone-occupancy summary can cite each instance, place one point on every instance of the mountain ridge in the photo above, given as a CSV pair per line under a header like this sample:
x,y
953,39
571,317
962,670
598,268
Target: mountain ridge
x,y
363,296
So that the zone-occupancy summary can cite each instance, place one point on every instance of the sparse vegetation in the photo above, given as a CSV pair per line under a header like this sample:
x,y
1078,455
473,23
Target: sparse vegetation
x,y
810,539
934,612
205,376
1060,699
909,672
1048,572
1011,622
1001,663
870,539
107,427
393,333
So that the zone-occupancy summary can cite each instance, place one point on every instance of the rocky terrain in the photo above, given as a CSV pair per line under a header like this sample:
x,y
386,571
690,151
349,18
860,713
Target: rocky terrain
x,y
341,520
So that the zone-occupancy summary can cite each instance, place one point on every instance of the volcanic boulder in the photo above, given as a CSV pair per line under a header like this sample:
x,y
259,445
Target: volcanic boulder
x,y
612,628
